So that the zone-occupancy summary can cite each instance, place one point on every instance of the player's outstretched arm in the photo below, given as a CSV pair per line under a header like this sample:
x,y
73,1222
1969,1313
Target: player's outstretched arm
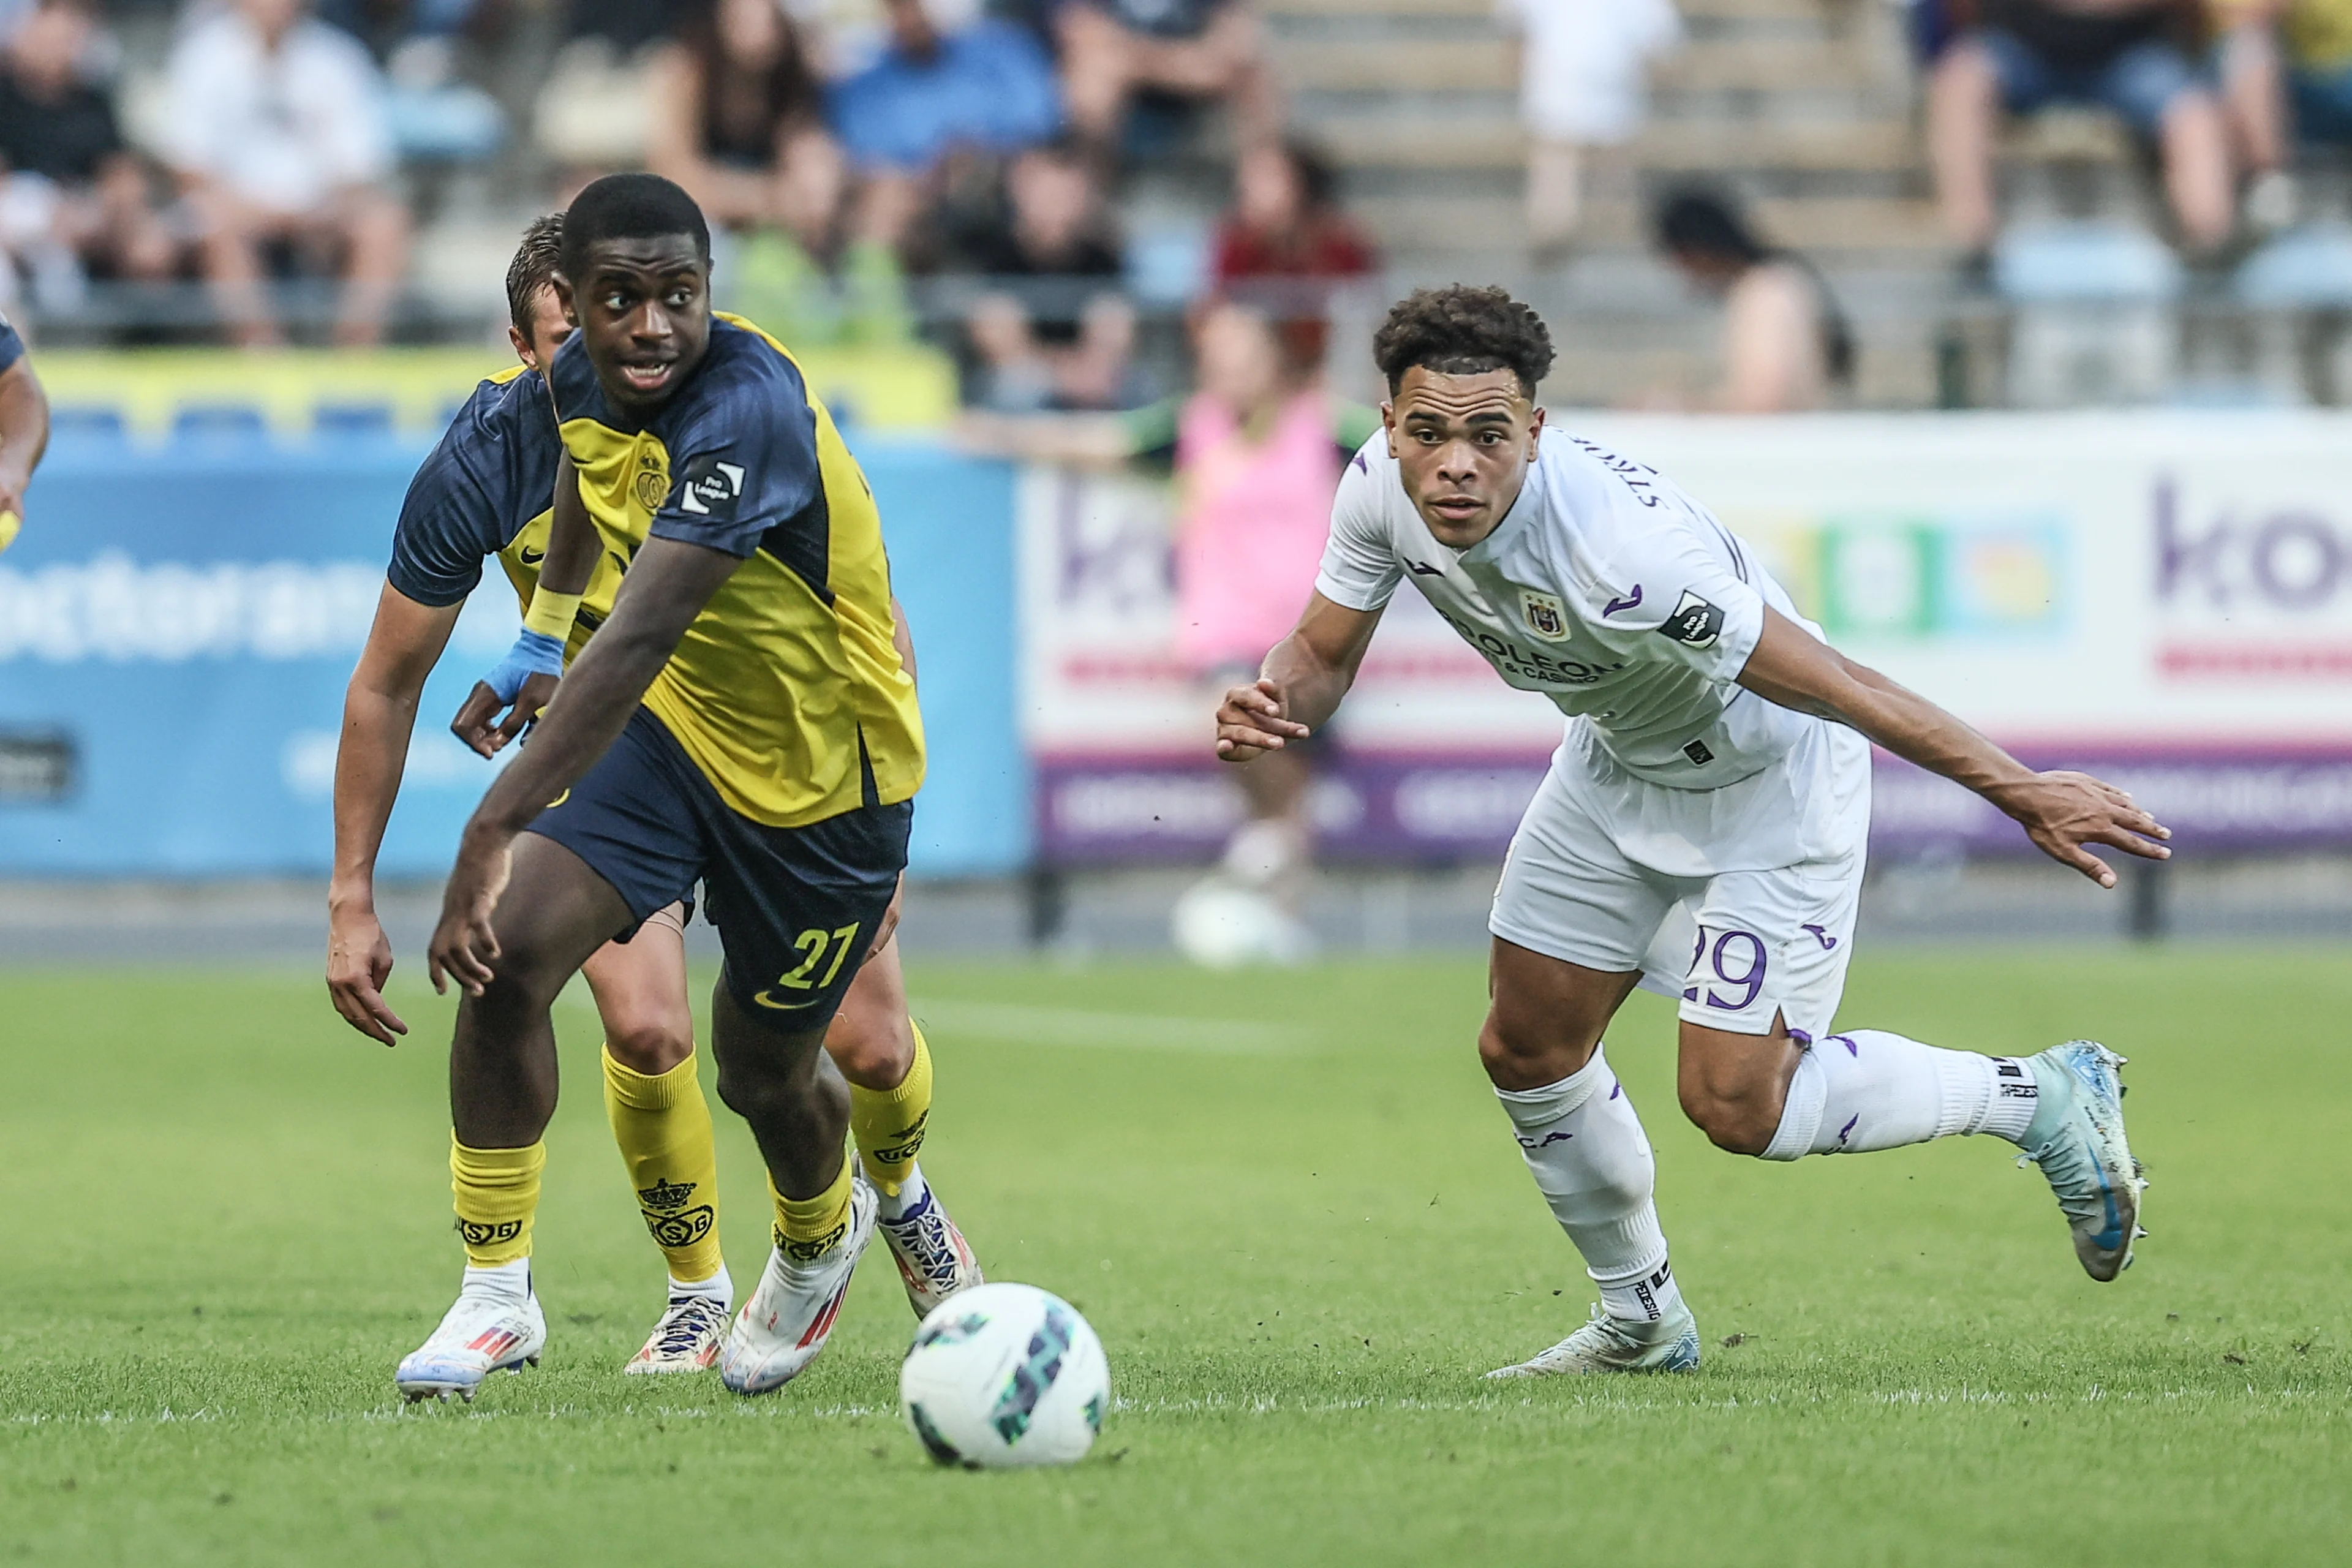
x,y
24,437
379,712
2061,812
524,681
1299,685
667,587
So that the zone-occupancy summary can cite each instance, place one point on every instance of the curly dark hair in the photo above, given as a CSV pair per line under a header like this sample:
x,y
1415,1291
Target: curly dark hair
x,y
1463,331
536,262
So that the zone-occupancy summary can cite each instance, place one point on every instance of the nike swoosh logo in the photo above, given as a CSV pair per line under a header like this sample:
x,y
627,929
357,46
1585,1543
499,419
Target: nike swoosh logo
x,y
1420,571
762,998
1625,603
532,557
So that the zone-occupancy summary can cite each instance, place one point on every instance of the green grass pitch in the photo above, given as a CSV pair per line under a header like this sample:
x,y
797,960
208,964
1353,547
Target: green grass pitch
x,y
1288,1203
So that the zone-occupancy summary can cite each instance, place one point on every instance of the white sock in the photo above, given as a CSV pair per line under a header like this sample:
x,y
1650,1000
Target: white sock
x,y
718,1288
511,1280
1591,1161
894,1205
1868,1088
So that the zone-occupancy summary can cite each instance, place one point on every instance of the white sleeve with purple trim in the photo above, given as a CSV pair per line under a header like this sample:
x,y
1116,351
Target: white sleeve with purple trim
x,y
1361,569
1674,590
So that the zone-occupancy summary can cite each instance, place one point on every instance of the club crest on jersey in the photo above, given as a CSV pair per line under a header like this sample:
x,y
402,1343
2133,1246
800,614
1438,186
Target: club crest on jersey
x,y
1694,623
652,482
1546,616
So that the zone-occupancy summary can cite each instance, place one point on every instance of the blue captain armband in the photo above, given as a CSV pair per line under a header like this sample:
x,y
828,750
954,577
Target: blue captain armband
x,y
534,653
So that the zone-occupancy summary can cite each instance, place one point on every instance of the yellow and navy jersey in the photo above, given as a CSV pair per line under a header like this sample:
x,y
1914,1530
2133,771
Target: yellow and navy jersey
x,y
787,691
487,490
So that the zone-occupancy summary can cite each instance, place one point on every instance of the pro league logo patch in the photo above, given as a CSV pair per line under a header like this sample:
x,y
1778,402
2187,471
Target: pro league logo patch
x,y
1694,623
710,488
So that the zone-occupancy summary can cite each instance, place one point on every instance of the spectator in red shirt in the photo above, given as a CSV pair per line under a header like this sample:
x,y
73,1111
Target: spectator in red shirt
x,y
1286,241
1285,220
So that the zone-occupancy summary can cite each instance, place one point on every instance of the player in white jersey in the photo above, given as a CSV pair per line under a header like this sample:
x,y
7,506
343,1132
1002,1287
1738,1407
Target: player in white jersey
x,y
1702,827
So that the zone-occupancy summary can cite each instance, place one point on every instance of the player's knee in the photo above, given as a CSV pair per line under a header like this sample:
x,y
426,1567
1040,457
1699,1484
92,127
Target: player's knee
x,y
521,980
535,960
650,1045
868,1053
1737,1122
1517,1057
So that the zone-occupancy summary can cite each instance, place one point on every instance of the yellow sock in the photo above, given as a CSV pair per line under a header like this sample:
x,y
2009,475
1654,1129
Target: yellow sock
x,y
808,1227
889,1124
497,1193
663,1125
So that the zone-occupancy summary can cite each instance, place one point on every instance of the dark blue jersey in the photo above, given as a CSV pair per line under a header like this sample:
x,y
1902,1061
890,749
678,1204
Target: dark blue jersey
x,y
787,691
489,482
731,462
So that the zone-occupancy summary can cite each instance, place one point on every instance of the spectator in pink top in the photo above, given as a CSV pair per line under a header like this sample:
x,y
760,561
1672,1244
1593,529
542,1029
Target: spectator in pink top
x,y
1256,450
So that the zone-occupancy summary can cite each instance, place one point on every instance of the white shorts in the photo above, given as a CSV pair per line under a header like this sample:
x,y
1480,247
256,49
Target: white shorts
x,y
1741,947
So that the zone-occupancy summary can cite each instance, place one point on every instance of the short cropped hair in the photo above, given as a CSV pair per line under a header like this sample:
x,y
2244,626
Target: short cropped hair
x,y
1463,330
536,262
629,206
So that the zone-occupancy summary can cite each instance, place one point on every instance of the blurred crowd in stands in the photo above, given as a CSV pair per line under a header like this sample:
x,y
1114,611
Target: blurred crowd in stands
x,y
277,150
249,170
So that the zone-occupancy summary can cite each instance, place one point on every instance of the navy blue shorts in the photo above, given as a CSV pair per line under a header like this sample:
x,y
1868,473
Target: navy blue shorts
x,y
796,907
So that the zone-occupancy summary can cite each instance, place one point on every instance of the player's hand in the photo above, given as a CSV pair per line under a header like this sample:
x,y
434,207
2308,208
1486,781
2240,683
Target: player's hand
x,y
463,944
477,722
2061,812
1250,722
359,961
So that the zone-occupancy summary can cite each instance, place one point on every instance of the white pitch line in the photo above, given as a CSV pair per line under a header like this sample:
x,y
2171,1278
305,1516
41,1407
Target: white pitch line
x,y
1117,1031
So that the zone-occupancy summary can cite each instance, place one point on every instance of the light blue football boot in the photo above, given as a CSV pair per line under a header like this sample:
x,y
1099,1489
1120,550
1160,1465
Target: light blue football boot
x,y
486,1330
2077,1139
1617,1344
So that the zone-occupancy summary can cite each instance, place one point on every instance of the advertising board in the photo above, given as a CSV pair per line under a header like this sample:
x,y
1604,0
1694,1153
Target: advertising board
x,y
177,626
2165,599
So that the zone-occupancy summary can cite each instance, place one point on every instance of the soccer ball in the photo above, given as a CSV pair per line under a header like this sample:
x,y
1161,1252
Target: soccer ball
x,y
1004,1375
1219,925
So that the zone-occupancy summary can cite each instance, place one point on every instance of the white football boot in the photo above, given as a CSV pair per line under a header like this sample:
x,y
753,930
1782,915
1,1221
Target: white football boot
x,y
787,1319
1617,1344
2084,1154
486,1331
685,1339
934,1260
